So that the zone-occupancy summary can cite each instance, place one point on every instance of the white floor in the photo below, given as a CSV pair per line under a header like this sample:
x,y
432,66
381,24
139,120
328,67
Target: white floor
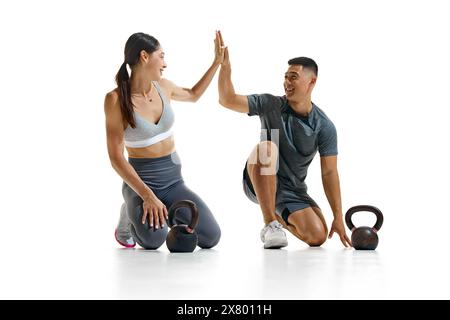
x,y
251,272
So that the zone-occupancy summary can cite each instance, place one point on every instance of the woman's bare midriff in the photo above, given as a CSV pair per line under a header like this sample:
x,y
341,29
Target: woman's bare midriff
x,y
159,149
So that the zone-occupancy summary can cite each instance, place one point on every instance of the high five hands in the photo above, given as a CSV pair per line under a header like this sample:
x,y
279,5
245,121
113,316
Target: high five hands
x,y
221,51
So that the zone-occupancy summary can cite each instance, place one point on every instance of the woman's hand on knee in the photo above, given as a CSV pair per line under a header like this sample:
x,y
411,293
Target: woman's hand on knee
x,y
155,210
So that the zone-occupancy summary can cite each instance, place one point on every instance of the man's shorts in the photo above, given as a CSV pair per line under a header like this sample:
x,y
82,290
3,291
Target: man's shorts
x,y
286,202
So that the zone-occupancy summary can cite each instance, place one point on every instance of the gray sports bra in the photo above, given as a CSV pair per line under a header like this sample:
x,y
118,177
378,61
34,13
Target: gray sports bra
x,y
146,133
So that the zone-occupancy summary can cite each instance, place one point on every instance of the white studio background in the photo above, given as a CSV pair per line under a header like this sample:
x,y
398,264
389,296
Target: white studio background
x,y
383,80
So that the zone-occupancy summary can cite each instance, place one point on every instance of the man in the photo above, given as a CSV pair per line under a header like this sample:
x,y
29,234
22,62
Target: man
x,y
293,130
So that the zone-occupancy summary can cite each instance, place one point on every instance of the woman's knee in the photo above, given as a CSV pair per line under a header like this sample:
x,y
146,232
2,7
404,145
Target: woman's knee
x,y
210,237
146,236
207,229
149,239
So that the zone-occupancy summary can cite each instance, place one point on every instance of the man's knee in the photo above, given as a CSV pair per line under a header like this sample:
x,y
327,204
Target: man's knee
x,y
309,227
267,149
264,157
315,238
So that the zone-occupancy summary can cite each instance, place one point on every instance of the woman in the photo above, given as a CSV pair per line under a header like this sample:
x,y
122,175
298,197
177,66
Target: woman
x,y
139,117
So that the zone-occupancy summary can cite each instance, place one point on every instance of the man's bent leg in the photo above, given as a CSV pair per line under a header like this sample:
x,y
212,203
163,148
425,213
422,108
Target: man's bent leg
x,y
262,171
261,168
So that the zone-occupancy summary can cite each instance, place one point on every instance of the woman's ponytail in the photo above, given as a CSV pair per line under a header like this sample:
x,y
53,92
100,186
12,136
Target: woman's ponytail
x,y
123,84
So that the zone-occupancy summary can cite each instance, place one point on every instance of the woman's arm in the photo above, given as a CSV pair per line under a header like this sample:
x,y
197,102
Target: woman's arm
x,y
115,141
193,94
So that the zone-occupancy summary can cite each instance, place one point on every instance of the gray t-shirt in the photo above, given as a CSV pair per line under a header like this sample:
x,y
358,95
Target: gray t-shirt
x,y
299,138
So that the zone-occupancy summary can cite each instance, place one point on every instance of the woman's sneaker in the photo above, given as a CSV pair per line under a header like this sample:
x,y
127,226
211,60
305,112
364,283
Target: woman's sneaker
x,y
122,232
273,236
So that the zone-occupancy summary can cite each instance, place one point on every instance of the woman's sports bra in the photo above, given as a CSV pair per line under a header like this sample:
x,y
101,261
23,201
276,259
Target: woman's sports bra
x,y
147,133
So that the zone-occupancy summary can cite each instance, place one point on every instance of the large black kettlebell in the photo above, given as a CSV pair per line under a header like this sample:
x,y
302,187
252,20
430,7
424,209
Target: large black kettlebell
x,y
364,238
180,239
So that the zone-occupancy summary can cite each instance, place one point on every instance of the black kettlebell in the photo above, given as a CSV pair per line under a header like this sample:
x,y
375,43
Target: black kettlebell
x,y
180,239
364,238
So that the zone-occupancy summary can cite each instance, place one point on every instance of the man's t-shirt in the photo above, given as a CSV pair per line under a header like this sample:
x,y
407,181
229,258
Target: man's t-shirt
x,y
299,138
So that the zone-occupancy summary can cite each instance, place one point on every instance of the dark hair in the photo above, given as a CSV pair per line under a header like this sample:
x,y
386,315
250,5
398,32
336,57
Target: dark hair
x,y
135,44
307,63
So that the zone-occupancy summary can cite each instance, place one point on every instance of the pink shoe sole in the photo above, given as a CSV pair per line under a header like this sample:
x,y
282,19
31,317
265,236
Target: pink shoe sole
x,y
123,244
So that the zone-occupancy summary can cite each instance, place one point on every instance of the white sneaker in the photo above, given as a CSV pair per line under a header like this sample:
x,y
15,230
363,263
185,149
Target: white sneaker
x,y
273,236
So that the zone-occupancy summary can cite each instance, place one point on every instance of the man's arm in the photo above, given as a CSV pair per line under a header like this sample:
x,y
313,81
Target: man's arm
x,y
227,96
331,186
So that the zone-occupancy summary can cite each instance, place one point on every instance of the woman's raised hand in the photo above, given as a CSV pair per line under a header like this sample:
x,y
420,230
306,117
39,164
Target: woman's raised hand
x,y
219,48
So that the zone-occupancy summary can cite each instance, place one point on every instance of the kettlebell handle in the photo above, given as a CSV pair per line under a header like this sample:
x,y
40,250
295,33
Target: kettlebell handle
x,y
183,204
375,210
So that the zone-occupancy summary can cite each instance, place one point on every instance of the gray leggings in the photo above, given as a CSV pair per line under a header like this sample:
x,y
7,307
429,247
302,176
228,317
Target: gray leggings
x,y
163,176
